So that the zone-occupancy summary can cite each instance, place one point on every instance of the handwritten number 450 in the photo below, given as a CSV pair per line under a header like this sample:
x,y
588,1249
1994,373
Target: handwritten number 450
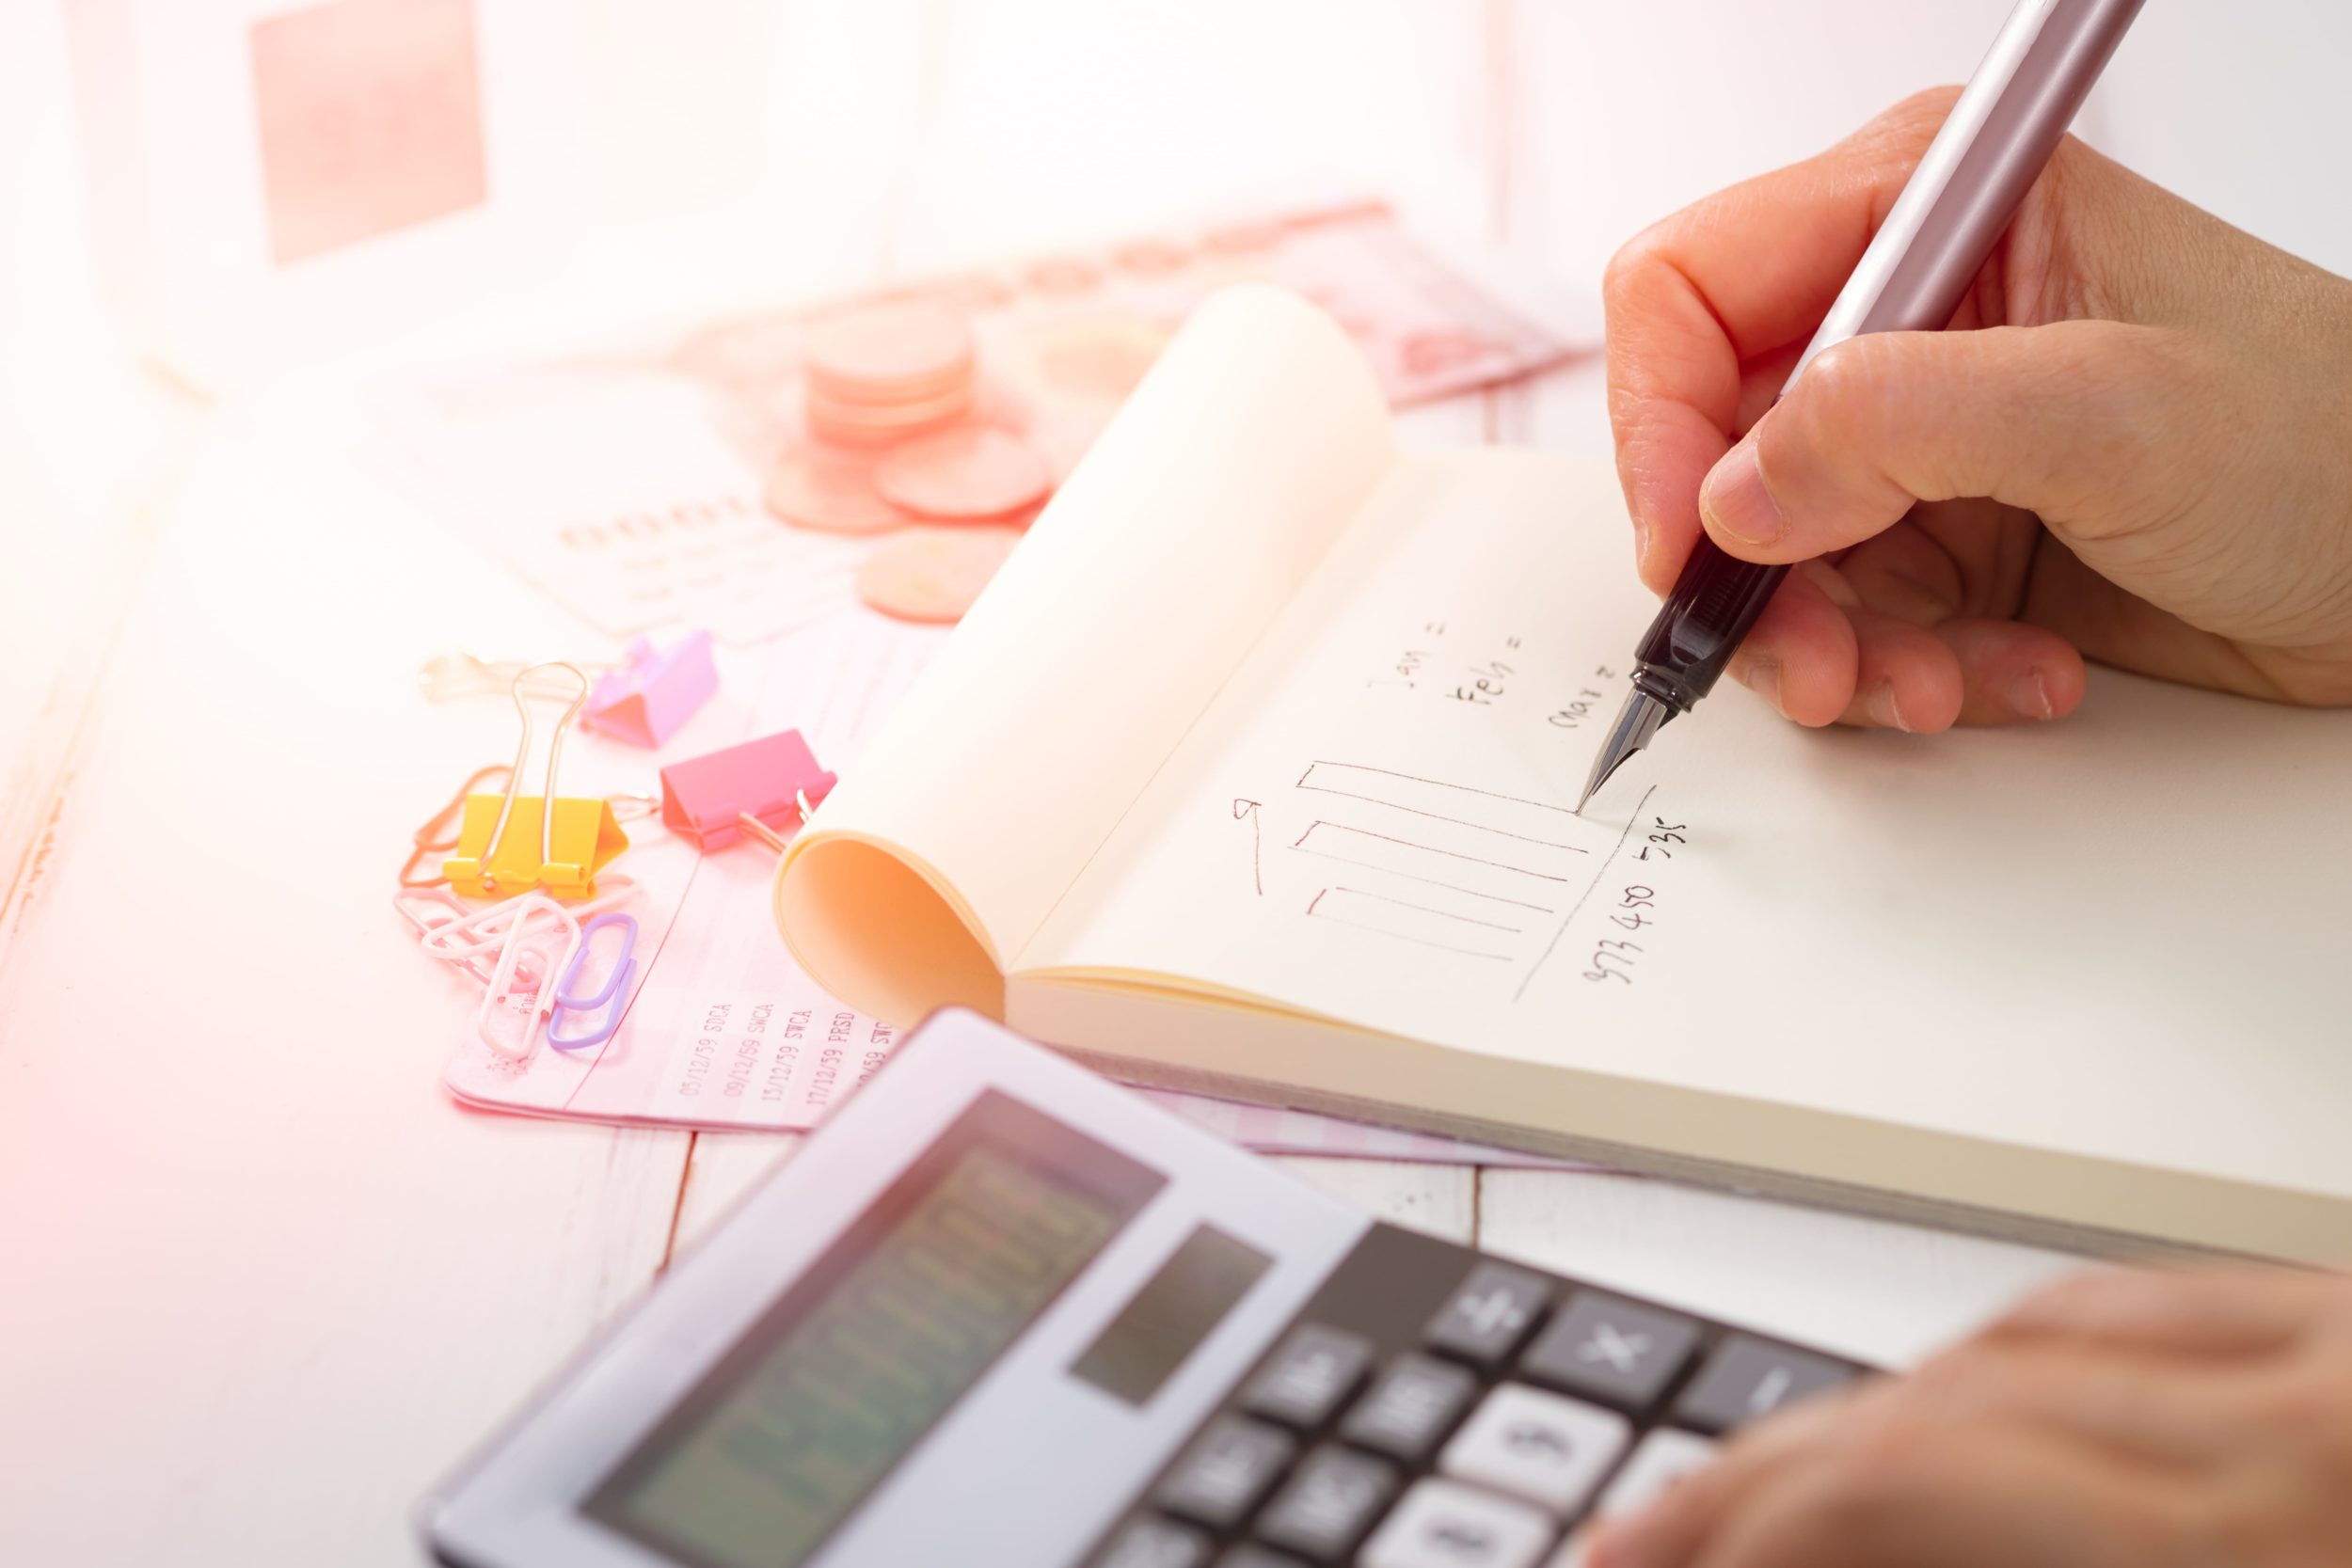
x,y
1613,956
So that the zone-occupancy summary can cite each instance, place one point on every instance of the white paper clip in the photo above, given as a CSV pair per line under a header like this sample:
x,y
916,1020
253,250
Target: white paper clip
x,y
466,938
538,919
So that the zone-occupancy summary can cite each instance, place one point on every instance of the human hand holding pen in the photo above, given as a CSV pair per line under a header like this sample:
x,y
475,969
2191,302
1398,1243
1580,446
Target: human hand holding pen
x,y
2144,458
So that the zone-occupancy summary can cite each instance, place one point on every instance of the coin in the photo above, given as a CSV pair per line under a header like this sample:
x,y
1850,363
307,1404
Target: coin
x,y
970,472
934,574
890,354
876,424
833,492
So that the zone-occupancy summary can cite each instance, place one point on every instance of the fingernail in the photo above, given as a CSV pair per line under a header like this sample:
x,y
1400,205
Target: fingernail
x,y
2030,697
1763,677
1882,708
1736,501
1640,543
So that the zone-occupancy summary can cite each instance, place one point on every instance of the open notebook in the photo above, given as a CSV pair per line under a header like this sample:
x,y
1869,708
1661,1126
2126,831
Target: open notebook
x,y
1251,772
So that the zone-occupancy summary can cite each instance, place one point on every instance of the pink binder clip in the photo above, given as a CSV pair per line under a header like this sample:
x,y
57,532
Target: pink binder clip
x,y
651,695
757,788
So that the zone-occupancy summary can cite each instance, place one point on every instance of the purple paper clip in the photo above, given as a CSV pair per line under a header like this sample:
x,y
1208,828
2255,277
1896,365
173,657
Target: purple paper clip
x,y
758,788
651,695
610,996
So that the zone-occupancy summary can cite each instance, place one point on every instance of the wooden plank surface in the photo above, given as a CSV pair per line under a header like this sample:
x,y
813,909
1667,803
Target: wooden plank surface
x,y
256,1257
264,1281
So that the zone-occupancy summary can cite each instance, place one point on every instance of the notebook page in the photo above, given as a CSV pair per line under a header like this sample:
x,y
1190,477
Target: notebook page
x,y
1246,450
2120,934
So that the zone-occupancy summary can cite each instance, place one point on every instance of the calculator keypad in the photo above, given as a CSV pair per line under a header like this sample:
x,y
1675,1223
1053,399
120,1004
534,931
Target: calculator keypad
x,y
1329,1504
1433,1408
1411,1410
1611,1349
1747,1379
1315,1370
1542,1448
1156,1543
1250,1555
1228,1469
1665,1457
1443,1524
1486,1319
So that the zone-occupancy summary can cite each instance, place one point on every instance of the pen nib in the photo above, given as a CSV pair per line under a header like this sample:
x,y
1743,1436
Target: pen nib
x,y
1636,722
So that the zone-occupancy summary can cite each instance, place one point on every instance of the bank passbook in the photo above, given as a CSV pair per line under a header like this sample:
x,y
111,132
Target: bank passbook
x,y
1004,1314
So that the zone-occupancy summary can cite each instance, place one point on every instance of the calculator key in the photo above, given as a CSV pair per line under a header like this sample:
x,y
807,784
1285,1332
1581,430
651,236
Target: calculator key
x,y
1610,1350
1665,1457
1410,1409
1328,1505
1250,1555
1537,1446
1746,1379
1487,1318
1441,1524
1314,1372
1154,1544
1226,1470
1573,1550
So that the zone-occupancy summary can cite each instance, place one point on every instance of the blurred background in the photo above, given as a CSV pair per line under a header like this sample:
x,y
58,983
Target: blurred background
x,y
551,172
220,216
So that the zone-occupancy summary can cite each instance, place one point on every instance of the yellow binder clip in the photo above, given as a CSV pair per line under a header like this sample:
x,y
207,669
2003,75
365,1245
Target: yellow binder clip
x,y
513,844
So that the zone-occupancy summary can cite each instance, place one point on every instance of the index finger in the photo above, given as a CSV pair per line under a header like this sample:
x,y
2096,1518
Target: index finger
x,y
1747,272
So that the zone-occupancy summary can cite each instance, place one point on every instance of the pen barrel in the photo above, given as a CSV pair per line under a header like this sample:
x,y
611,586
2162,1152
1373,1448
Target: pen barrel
x,y
1714,602
1991,149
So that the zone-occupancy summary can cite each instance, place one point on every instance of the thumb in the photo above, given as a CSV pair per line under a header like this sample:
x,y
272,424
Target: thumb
x,y
2058,420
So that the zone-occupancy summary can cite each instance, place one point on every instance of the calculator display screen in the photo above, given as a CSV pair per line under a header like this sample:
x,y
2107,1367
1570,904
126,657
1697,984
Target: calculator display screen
x,y
864,1352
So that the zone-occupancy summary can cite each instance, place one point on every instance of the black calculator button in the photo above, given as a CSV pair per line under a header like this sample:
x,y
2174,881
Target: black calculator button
x,y
1490,1315
1226,1470
1441,1524
1250,1555
1410,1409
1154,1544
1610,1350
1746,1379
1315,1370
1328,1505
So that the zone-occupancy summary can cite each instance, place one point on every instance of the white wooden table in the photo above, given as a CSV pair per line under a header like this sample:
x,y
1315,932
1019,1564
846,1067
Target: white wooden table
x,y
260,1281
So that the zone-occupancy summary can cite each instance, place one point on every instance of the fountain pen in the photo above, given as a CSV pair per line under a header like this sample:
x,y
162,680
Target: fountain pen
x,y
1993,145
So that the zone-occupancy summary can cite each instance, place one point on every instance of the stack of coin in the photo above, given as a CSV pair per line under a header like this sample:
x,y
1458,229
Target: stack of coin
x,y
964,475
830,491
881,375
897,436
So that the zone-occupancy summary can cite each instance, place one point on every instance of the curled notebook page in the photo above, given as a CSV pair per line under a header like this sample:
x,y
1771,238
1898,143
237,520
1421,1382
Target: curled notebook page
x,y
1140,587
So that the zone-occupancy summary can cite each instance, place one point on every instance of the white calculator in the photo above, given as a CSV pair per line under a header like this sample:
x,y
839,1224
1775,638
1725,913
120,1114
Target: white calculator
x,y
1002,1314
